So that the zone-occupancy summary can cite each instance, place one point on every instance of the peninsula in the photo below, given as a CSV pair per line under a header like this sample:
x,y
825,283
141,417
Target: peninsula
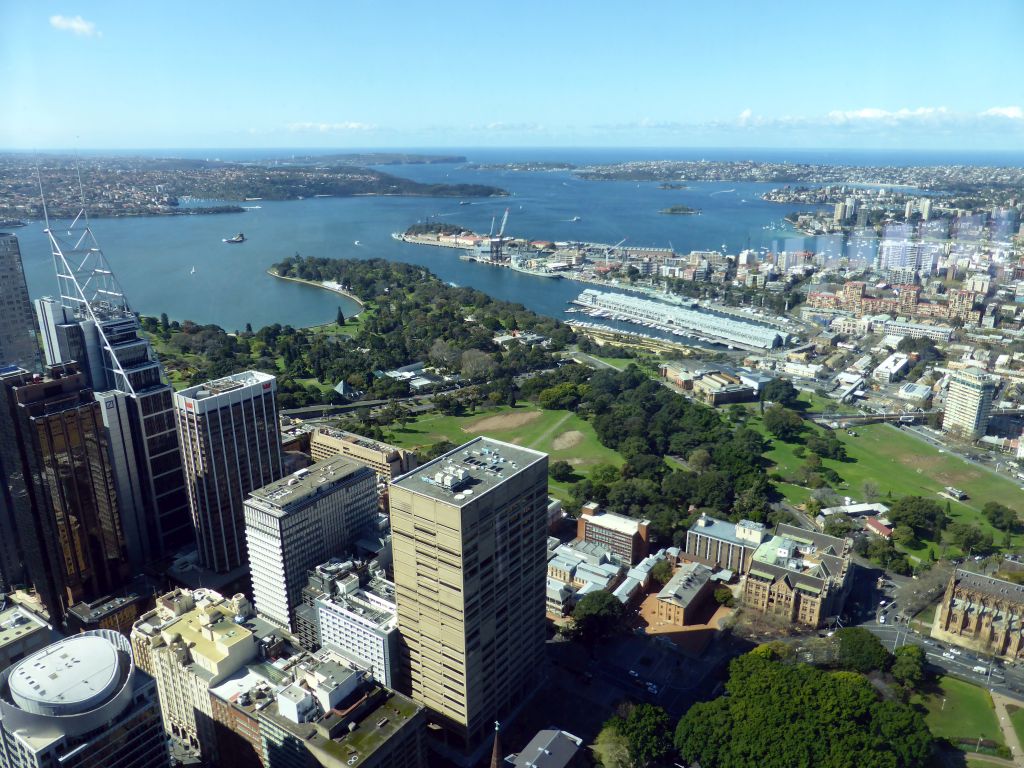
x,y
136,186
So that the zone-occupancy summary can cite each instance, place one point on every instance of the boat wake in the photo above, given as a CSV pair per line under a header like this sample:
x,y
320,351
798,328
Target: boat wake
x,y
721,192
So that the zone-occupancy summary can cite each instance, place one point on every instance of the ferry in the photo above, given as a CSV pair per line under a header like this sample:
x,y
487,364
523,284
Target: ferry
x,y
239,238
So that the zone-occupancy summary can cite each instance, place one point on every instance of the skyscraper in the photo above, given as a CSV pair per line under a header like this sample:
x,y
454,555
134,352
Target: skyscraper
x,y
91,322
231,445
80,703
294,524
469,538
56,466
18,344
968,403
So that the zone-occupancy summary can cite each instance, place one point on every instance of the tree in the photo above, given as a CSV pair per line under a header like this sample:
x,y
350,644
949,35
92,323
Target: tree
x,y
780,391
1000,516
648,733
477,365
860,651
724,596
970,538
598,615
699,460
339,319
561,471
908,666
778,715
661,572
164,324
923,515
903,535
783,423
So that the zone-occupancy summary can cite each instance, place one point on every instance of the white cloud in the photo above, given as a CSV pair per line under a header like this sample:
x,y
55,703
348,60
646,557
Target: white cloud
x,y
872,114
76,25
330,127
1013,113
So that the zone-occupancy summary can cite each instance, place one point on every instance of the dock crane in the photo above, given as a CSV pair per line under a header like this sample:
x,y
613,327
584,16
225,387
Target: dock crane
x,y
498,241
608,251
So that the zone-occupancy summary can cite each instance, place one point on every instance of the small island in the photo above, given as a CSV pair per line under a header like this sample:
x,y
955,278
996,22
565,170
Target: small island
x,y
680,210
673,185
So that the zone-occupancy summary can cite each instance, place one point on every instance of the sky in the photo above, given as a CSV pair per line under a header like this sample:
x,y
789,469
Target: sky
x,y
92,74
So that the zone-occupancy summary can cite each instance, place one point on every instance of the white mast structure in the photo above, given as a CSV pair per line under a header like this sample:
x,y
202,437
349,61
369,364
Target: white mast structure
x,y
92,323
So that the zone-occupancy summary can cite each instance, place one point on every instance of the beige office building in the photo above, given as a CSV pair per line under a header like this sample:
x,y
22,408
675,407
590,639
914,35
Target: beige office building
x,y
386,460
469,537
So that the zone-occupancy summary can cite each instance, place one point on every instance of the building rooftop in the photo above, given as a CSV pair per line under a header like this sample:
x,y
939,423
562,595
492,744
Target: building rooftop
x,y
685,584
706,525
614,522
471,470
354,439
548,749
808,559
69,676
17,622
281,496
225,384
1005,590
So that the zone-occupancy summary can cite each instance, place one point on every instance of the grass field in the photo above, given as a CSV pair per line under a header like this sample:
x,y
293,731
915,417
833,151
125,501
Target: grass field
x,y
899,464
561,434
966,714
1017,719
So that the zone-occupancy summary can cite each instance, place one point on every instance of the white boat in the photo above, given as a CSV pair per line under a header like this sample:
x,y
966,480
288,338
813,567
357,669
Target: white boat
x,y
356,243
193,271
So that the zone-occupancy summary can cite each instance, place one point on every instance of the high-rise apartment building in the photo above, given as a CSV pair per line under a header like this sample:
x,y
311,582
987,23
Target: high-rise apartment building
x,y
294,524
90,322
469,539
80,703
18,344
59,480
231,445
968,403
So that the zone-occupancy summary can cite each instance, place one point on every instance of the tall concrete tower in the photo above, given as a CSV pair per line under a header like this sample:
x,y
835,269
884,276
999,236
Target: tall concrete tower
x,y
470,543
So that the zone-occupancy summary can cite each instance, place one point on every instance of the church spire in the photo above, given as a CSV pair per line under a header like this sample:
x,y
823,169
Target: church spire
x,y
496,752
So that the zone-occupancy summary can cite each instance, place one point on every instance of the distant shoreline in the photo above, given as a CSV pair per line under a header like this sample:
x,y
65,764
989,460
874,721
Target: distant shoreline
x,y
273,273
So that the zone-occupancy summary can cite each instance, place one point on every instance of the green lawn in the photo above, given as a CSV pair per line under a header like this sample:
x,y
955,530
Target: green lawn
x,y
898,464
966,714
352,325
1017,718
561,434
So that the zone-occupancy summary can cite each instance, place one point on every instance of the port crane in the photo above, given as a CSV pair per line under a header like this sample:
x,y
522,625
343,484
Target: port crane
x,y
498,241
608,251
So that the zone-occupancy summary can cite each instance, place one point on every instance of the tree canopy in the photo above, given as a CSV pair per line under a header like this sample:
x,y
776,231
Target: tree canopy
x,y
778,715
598,615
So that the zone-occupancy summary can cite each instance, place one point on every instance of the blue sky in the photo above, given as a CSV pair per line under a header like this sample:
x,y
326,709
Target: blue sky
x,y
353,73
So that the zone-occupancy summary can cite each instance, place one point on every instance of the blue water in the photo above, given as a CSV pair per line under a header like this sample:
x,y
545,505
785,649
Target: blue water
x,y
153,256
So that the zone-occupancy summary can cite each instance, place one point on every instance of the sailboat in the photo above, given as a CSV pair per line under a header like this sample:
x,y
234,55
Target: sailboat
x,y
193,270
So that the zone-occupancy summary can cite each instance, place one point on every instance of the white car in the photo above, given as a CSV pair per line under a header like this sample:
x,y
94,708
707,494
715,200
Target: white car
x,y
881,619
948,655
954,651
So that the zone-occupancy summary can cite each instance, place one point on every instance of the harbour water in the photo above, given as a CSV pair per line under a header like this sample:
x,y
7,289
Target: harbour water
x,y
154,256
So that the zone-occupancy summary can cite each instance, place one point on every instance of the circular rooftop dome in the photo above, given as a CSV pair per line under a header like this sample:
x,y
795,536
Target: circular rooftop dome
x,y
69,677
